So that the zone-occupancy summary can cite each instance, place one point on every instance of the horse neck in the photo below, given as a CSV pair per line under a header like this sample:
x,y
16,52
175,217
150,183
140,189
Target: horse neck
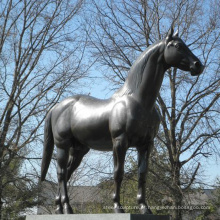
x,y
152,78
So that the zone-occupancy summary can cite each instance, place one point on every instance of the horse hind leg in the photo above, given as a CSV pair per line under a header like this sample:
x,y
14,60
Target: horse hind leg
x,y
76,155
59,207
75,158
62,200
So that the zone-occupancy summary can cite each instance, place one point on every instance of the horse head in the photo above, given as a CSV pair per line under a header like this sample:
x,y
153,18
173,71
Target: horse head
x,y
177,54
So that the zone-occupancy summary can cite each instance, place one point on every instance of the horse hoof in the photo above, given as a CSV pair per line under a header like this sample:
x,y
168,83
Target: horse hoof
x,y
67,209
118,208
59,211
145,210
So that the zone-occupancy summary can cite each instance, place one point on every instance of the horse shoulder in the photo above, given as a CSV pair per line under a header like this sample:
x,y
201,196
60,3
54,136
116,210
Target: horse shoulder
x,y
156,116
117,119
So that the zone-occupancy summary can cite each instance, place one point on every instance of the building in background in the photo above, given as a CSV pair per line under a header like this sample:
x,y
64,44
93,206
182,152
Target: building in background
x,y
92,199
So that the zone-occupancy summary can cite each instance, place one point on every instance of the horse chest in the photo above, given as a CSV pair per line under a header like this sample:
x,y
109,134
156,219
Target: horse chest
x,y
142,125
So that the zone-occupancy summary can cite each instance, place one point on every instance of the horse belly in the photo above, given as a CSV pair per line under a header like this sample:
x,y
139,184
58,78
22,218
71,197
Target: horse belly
x,y
100,145
92,132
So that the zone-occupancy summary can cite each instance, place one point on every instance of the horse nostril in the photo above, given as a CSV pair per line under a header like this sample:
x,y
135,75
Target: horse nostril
x,y
197,64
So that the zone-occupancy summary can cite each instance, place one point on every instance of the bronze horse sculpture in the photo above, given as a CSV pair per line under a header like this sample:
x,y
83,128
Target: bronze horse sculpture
x,y
127,119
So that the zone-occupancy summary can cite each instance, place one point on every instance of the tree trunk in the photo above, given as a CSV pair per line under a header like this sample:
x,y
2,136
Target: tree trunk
x,y
177,192
0,190
177,215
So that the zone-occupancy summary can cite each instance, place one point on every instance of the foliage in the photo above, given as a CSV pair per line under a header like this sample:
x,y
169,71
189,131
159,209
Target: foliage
x,y
214,204
20,192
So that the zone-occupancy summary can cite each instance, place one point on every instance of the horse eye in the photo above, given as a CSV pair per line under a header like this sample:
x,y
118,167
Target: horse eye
x,y
177,46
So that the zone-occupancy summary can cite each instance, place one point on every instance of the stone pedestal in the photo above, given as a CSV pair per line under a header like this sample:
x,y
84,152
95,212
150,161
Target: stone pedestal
x,y
125,216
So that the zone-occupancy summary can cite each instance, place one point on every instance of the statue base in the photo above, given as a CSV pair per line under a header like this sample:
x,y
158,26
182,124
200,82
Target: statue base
x,y
124,216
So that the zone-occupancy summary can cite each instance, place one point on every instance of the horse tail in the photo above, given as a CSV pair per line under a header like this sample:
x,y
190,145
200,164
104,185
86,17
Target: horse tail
x,y
48,146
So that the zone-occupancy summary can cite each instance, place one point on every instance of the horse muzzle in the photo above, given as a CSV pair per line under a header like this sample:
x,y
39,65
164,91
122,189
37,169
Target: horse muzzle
x,y
196,68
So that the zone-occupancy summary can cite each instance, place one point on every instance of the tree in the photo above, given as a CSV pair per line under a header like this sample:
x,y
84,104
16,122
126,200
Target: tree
x,y
19,192
120,30
41,53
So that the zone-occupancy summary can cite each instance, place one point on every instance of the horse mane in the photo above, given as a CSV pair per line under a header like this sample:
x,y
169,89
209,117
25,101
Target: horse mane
x,y
135,74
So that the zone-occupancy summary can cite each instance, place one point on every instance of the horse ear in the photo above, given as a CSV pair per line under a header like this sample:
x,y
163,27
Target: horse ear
x,y
176,34
169,35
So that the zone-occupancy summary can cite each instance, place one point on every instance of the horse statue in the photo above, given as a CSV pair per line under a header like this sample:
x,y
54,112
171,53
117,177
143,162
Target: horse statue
x,y
127,119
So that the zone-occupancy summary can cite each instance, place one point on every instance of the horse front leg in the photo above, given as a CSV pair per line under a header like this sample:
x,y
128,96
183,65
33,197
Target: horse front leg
x,y
119,152
62,160
143,161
